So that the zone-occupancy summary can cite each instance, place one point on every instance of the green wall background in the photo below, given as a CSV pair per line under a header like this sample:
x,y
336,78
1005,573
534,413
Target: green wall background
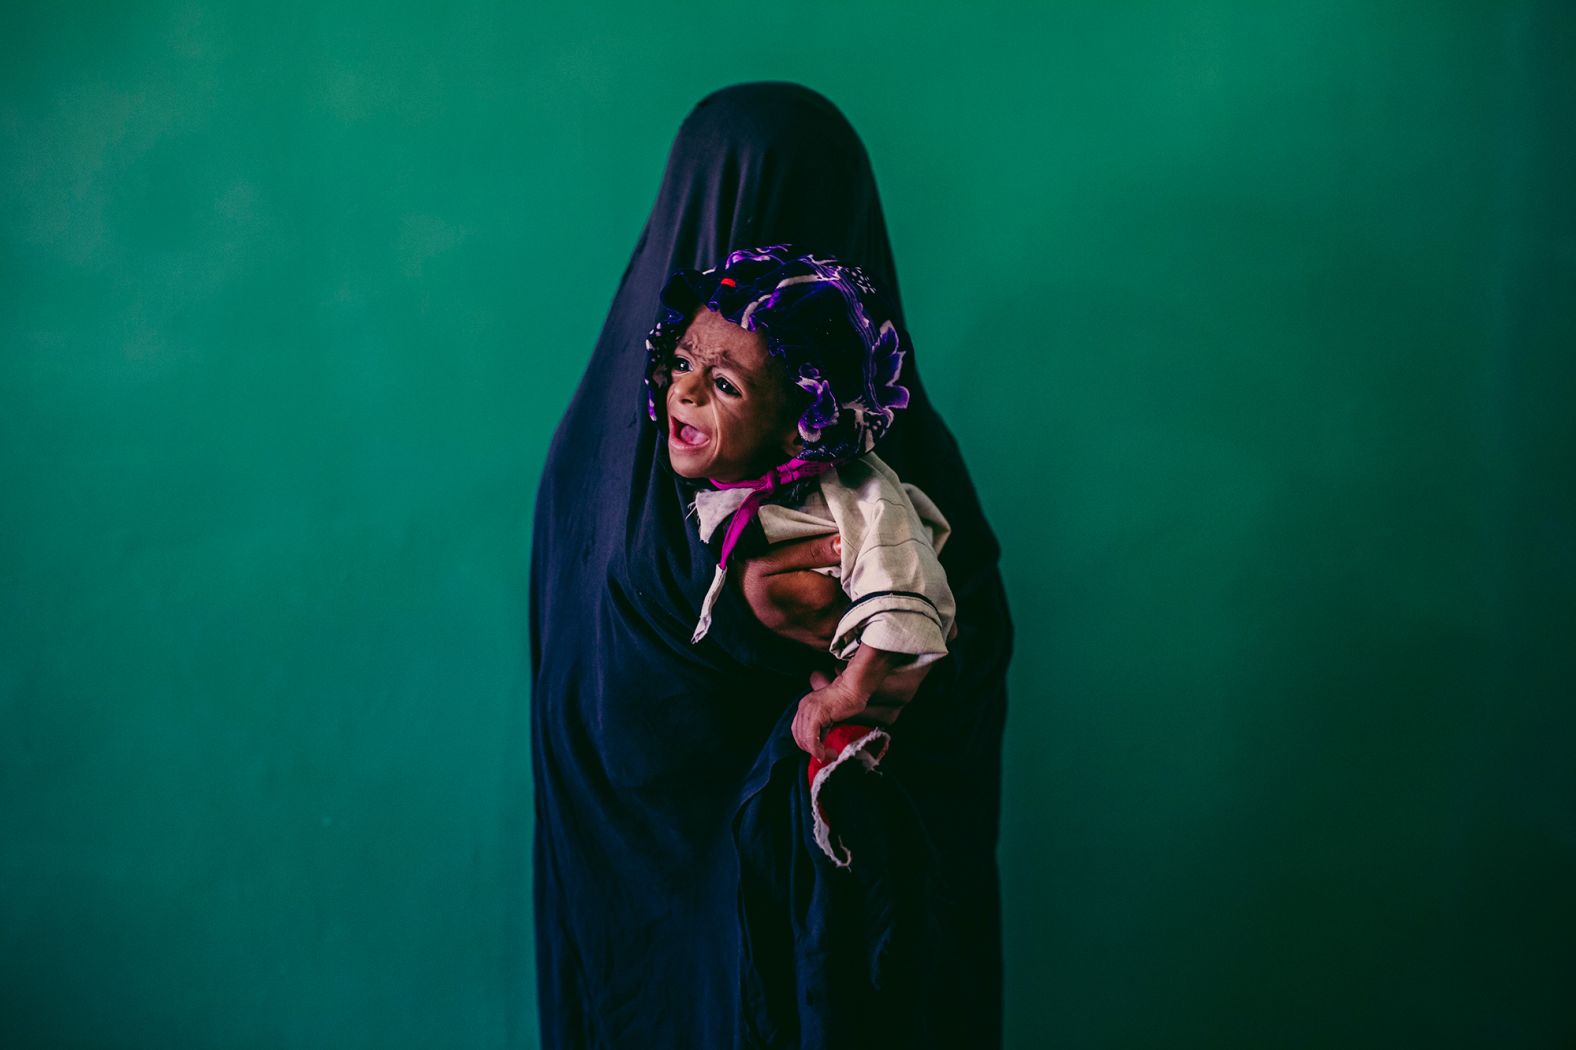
x,y
1254,320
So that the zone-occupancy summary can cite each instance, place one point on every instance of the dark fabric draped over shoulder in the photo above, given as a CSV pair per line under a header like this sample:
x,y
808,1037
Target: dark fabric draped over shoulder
x,y
680,898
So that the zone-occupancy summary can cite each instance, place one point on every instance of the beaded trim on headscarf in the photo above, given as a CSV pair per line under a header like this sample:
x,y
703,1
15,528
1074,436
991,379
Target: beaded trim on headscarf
x,y
825,320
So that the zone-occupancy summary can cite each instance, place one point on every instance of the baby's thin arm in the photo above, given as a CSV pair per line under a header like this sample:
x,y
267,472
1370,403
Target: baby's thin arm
x,y
869,667
844,697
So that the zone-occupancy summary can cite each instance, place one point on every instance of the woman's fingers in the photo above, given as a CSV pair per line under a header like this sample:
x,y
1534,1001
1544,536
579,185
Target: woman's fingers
x,y
815,552
787,597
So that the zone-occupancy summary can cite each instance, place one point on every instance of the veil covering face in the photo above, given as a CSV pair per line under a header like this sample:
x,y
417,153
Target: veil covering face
x,y
680,897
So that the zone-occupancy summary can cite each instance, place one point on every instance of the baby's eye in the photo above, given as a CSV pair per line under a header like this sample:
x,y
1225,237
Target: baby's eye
x,y
679,364
727,387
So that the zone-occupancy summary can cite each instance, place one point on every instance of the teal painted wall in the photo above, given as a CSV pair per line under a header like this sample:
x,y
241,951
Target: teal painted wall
x,y
1254,320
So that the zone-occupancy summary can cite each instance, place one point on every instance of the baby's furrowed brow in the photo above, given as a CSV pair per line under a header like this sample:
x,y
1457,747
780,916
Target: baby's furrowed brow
x,y
709,356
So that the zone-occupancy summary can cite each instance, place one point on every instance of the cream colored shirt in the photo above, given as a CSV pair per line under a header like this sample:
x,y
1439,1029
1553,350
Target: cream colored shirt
x,y
891,534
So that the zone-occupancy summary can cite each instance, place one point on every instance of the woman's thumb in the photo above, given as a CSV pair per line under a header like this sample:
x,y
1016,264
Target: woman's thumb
x,y
819,680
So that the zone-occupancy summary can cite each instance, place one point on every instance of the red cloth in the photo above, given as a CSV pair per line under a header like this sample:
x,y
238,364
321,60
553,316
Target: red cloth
x,y
863,746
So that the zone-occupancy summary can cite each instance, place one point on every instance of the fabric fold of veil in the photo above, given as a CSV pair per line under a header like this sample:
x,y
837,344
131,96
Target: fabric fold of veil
x,y
680,898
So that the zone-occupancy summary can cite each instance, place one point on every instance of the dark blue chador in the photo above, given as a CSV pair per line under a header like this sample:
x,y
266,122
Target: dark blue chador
x,y
681,900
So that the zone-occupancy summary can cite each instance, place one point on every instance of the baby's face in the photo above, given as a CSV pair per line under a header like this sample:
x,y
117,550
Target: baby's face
x,y
730,415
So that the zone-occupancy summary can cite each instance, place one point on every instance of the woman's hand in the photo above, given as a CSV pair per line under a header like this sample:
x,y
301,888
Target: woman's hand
x,y
790,599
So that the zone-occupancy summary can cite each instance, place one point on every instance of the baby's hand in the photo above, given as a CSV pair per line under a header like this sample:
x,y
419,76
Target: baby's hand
x,y
835,702
842,699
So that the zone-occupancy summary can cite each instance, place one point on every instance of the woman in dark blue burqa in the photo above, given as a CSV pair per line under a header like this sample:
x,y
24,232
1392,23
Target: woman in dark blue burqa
x,y
680,898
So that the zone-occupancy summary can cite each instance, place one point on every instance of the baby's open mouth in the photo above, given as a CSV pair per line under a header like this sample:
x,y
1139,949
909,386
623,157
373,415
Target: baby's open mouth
x,y
688,435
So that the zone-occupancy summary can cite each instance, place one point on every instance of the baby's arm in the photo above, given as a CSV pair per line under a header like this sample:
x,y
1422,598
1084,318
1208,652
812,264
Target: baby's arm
x,y
902,614
901,600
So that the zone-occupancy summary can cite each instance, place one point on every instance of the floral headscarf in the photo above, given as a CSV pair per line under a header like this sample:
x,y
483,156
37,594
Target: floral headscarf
x,y
823,318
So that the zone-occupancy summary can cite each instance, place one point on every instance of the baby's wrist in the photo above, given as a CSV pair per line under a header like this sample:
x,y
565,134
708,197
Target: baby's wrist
x,y
869,668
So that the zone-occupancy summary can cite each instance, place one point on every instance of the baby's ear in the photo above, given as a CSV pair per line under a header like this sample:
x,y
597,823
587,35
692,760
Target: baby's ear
x,y
793,444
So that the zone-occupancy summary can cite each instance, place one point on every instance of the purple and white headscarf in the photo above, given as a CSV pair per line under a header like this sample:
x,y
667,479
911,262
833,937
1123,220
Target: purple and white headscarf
x,y
822,317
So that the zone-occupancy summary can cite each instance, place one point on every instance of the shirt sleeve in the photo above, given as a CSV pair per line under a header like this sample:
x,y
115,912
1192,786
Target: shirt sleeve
x,y
901,600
